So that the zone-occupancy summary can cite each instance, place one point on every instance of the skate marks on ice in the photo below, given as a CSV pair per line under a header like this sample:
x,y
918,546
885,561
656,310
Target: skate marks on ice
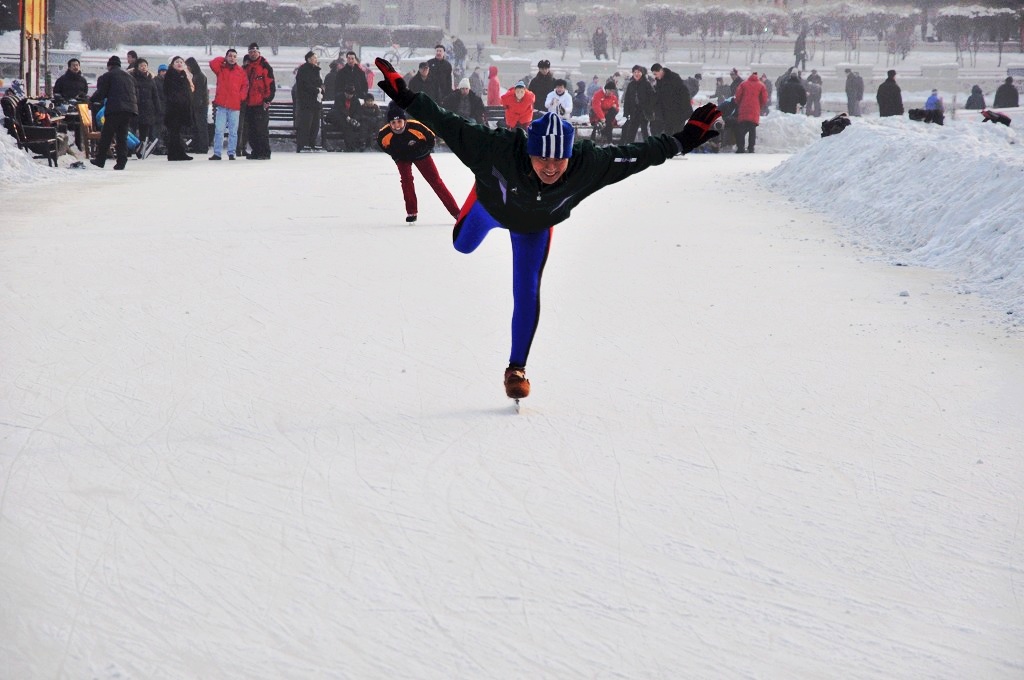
x,y
270,448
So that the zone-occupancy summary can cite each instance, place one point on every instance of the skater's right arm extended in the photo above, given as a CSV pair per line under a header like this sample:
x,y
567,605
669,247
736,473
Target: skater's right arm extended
x,y
474,144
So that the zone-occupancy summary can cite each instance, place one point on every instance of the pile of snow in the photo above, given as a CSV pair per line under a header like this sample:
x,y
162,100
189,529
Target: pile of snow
x,y
947,197
17,166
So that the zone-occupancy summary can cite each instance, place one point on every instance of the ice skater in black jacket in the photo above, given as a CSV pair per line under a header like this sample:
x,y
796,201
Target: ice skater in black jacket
x,y
528,181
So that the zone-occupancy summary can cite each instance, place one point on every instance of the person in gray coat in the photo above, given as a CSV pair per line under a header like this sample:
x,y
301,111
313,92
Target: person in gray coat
x,y
115,90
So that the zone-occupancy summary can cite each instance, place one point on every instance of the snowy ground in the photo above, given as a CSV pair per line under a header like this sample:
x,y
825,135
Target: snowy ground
x,y
252,424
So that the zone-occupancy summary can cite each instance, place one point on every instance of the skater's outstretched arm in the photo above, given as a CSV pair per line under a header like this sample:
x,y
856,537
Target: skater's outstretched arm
x,y
474,144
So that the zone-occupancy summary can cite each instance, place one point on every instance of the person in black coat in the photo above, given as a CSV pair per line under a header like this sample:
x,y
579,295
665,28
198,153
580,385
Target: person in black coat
x,y
638,106
672,107
115,90
349,74
200,108
977,99
150,105
541,84
307,95
792,95
178,89
72,84
889,97
600,43
1007,96
465,102
439,83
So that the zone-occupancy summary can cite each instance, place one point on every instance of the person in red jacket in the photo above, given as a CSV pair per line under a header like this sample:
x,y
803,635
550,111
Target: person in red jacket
x,y
604,109
493,87
262,89
751,96
232,87
518,103
409,142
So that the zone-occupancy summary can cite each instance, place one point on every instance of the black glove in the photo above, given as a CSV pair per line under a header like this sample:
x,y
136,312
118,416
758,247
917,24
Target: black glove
x,y
699,128
393,84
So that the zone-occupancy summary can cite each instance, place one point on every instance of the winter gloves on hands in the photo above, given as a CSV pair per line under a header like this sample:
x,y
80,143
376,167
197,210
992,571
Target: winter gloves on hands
x,y
699,128
393,84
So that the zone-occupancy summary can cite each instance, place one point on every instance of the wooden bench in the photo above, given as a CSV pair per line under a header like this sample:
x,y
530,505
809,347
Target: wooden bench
x,y
44,141
281,117
494,116
281,125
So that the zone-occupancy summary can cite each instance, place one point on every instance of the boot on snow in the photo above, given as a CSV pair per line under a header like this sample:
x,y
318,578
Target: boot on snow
x,y
516,384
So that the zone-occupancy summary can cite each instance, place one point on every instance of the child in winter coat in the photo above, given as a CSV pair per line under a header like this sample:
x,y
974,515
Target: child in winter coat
x,y
525,182
409,143
518,103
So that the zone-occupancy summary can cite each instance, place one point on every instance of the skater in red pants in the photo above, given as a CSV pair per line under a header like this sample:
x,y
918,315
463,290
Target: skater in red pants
x,y
409,142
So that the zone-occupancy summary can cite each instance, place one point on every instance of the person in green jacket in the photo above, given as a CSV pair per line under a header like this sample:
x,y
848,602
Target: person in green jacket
x,y
526,182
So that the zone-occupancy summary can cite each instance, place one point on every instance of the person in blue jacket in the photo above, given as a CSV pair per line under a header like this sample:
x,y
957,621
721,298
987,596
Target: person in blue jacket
x,y
526,182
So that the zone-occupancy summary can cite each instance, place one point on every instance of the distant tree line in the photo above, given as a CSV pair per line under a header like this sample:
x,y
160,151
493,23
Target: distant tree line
x,y
753,29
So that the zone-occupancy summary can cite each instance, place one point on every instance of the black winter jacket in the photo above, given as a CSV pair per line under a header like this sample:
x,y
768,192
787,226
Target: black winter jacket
x,y
118,89
1007,97
791,95
177,99
71,85
638,100
201,95
150,105
505,182
308,85
541,86
672,105
470,107
889,98
416,141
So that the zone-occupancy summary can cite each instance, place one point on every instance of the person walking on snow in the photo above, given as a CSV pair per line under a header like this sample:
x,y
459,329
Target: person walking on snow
x,y
409,143
526,182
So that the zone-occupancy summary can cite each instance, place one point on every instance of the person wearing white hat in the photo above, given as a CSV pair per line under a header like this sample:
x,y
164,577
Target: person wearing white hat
x,y
465,102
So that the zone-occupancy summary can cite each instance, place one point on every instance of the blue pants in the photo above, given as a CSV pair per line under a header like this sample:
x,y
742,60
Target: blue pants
x,y
225,118
529,255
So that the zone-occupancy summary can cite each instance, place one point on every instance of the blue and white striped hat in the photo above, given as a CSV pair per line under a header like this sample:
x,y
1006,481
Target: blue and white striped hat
x,y
550,137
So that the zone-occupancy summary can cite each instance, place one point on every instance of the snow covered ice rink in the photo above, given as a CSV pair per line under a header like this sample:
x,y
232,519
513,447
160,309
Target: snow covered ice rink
x,y
252,424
